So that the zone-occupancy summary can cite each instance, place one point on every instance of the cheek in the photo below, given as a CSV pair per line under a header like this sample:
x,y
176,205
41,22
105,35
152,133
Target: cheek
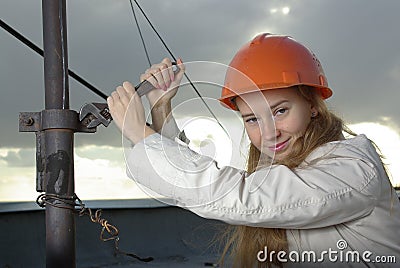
x,y
254,135
296,125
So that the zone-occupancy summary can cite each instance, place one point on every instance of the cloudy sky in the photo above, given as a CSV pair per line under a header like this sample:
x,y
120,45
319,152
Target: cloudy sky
x,y
357,42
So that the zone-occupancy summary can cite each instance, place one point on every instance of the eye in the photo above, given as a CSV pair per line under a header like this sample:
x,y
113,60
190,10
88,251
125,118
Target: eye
x,y
251,120
280,111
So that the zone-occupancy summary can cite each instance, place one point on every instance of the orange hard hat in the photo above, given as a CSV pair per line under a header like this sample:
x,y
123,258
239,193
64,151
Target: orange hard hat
x,y
269,62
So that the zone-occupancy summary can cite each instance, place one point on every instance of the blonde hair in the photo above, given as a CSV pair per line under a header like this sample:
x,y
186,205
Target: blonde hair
x,y
244,242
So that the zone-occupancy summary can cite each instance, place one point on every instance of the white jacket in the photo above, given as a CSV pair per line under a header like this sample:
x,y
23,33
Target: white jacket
x,y
339,200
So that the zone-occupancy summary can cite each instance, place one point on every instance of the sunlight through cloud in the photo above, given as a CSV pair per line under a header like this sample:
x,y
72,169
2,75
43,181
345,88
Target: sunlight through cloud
x,y
285,10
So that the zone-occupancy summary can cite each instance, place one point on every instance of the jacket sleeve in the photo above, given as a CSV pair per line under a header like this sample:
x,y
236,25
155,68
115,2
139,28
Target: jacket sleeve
x,y
170,130
333,189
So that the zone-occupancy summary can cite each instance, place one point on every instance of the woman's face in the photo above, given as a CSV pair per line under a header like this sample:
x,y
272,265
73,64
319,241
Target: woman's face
x,y
273,119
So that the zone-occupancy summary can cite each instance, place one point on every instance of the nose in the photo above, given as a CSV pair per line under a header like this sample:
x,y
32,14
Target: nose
x,y
269,131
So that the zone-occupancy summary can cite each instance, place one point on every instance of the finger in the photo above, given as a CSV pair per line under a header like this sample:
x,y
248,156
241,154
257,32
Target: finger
x,y
150,78
167,61
157,74
110,102
145,76
136,102
181,67
115,96
165,67
129,88
166,75
171,74
123,96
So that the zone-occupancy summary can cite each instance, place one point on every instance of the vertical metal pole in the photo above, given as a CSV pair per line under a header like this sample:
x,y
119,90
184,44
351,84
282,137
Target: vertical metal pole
x,y
59,177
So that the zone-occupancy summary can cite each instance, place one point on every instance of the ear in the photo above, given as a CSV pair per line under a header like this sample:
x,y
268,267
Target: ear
x,y
314,112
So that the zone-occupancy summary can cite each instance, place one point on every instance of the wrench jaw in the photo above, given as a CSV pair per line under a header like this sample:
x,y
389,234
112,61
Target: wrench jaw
x,y
97,121
94,114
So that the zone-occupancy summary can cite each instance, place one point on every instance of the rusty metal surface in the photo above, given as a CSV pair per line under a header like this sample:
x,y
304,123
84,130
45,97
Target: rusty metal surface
x,y
52,119
59,162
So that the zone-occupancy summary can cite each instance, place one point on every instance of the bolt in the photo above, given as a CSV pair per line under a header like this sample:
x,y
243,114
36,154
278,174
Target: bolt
x,y
29,121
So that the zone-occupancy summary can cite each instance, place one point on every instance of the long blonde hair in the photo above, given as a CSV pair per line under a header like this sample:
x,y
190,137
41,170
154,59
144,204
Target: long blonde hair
x,y
244,242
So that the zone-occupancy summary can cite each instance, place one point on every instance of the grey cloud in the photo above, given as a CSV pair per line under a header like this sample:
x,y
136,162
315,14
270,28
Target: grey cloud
x,y
21,158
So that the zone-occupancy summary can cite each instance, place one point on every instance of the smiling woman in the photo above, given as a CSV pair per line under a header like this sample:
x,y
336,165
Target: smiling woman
x,y
304,179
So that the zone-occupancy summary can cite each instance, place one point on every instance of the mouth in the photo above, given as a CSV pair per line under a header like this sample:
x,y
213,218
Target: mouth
x,y
279,146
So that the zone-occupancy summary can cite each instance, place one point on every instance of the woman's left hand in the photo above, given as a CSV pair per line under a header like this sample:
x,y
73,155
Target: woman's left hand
x,y
164,80
127,111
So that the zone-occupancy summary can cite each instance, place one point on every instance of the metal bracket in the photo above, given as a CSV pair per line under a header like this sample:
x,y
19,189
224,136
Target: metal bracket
x,y
50,119
38,122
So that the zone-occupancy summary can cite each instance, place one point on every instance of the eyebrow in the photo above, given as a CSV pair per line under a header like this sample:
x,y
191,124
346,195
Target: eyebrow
x,y
247,115
272,107
277,104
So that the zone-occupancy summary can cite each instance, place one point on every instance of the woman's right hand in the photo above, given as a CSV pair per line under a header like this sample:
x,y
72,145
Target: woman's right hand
x,y
166,83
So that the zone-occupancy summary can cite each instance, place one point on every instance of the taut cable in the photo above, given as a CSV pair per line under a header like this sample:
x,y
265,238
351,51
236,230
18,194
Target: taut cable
x,y
175,59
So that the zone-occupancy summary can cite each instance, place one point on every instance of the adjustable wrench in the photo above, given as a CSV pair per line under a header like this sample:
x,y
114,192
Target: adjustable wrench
x,y
95,114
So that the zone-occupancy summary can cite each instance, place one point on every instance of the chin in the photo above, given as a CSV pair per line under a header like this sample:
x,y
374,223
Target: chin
x,y
280,156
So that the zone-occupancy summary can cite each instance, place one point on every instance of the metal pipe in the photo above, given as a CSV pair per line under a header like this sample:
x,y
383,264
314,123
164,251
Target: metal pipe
x,y
55,54
59,162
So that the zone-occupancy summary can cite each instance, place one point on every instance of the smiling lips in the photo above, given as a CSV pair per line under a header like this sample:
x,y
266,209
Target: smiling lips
x,y
279,146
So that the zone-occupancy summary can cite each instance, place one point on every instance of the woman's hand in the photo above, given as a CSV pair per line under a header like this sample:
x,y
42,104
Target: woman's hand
x,y
162,77
127,111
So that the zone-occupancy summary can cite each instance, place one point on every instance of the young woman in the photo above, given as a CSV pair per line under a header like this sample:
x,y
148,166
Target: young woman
x,y
309,196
